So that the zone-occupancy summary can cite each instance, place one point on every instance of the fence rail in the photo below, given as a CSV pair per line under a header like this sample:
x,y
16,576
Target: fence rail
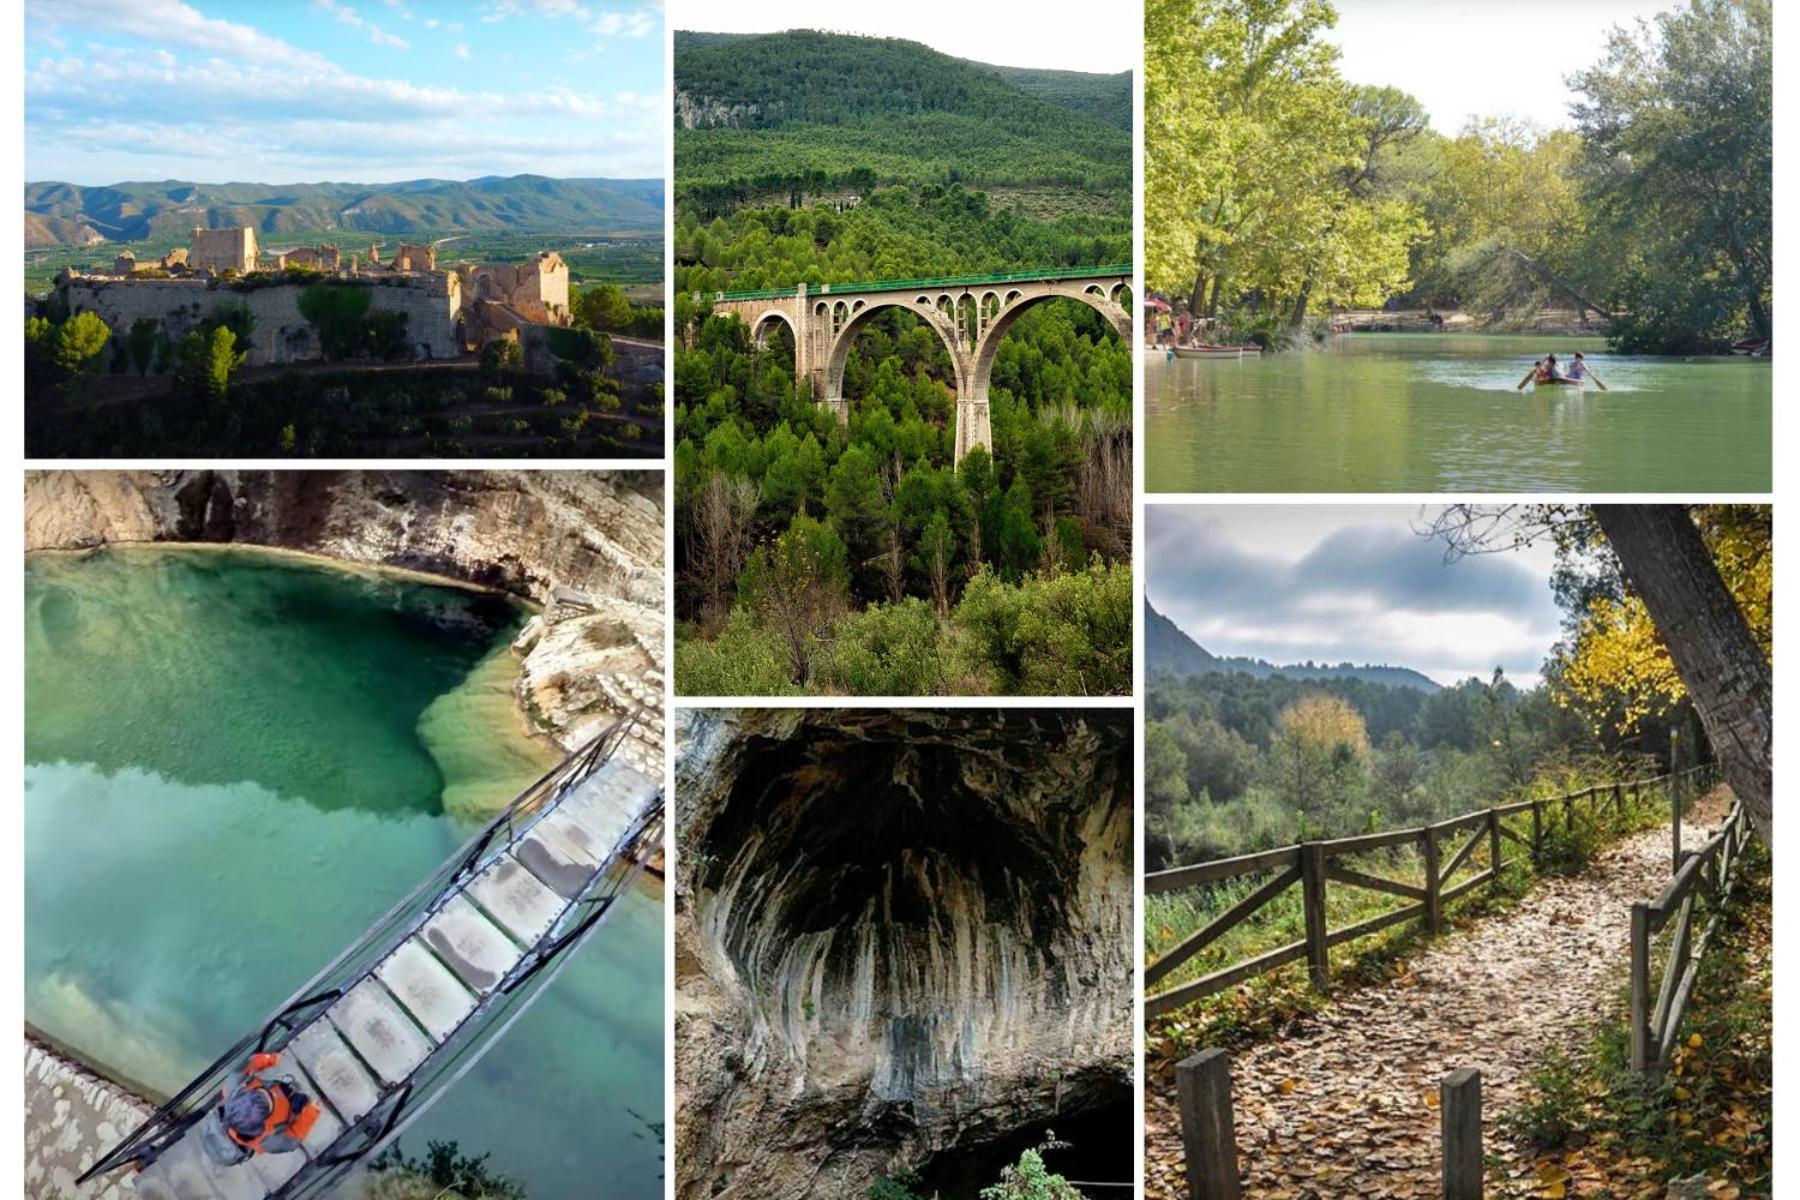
x,y
1314,865
1711,869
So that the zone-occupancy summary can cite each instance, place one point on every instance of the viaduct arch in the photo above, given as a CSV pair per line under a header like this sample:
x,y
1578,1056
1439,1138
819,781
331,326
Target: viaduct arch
x,y
970,315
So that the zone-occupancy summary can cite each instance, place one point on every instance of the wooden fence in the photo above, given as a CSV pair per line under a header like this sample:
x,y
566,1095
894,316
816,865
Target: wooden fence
x,y
1315,865
1708,871
1209,1137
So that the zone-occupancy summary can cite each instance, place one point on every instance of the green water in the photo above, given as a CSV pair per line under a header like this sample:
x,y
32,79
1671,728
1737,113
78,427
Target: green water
x,y
1440,412
235,761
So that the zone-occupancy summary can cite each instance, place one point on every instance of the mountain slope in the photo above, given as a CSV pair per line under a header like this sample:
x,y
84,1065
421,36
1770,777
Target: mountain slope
x,y
1105,98
1169,651
816,111
64,213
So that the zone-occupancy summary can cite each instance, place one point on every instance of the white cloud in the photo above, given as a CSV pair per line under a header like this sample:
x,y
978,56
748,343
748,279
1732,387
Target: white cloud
x,y
462,50
637,24
177,24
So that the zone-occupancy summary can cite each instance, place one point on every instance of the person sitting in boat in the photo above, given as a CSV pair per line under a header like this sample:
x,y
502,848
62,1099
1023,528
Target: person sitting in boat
x,y
1549,372
258,1114
1578,368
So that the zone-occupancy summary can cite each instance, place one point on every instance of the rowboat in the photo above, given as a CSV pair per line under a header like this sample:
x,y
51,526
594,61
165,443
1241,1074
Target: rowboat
x,y
1559,385
1217,351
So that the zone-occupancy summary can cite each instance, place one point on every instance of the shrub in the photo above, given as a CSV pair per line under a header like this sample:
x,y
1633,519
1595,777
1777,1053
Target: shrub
x,y
889,650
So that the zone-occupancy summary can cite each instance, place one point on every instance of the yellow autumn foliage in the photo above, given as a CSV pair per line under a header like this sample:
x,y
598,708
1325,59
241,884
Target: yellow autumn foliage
x,y
1619,673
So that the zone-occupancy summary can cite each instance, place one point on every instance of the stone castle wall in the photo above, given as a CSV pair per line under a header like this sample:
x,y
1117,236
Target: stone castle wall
x,y
223,249
281,334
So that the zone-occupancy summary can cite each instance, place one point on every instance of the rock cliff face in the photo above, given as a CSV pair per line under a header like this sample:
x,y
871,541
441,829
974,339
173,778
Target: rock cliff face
x,y
587,546
899,937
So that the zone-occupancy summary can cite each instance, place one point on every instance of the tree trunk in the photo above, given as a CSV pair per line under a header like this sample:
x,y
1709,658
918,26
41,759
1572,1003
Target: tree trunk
x,y
1212,304
1197,298
1299,317
1710,643
1551,277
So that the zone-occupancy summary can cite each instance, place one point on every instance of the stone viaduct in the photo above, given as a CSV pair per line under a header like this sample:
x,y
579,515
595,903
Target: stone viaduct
x,y
971,314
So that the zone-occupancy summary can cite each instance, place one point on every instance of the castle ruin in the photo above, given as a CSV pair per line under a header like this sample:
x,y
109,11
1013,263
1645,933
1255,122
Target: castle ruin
x,y
220,250
449,311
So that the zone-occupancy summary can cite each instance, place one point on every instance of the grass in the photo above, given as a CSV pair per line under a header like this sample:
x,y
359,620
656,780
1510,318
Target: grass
x,y
1267,1002
1596,1128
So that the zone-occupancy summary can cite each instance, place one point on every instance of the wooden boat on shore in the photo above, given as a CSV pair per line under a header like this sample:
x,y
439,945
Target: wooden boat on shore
x,y
1249,351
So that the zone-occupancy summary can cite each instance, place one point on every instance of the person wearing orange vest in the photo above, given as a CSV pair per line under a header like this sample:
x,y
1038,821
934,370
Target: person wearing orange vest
x,y
260,1114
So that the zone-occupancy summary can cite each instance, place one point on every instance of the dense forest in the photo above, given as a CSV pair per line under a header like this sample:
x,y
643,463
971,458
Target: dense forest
x,y
817,557
1275,189
1236,763
804,113
814,557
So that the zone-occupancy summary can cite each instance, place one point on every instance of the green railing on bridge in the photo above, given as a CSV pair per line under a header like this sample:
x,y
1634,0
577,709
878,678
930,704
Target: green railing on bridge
x,y
907,285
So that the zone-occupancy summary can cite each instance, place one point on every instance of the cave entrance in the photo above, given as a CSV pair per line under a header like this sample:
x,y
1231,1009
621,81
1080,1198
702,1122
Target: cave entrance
x,y
1096,1150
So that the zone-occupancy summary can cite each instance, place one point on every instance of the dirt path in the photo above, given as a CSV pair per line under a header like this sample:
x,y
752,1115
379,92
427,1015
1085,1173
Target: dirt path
x,y
1344,1102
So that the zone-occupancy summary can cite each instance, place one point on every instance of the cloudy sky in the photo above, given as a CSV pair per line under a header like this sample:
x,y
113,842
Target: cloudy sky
x,y
1288,583
1102,39
1467,58
282,91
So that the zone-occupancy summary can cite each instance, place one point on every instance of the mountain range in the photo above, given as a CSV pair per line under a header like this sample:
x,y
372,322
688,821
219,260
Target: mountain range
x,y
70,214
1170,651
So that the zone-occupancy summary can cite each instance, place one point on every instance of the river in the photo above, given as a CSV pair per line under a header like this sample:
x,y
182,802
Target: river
x,y
235,761
1441,412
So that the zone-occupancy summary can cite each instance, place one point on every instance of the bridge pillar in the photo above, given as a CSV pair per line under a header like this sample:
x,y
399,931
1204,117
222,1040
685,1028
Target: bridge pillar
x,y
972,428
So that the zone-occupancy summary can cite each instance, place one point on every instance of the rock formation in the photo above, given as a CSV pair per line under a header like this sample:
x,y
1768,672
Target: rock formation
x,y
899,937
586,546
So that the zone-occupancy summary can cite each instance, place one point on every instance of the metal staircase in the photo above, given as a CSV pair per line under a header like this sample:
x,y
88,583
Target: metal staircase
x,y
402,1013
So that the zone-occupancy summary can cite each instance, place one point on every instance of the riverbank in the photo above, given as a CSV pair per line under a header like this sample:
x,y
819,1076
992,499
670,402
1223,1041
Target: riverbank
x,y
582,549
1566,321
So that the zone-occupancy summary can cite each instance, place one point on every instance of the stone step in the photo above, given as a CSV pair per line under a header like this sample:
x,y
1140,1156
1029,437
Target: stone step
x,y
342,1080
516,899
470,945
426,988
379,1031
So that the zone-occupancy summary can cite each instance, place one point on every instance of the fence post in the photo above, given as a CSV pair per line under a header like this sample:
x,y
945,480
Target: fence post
x,y
1675,825
1459,1105
1640,986
1208,1133
1434,900
1537,833
1619,801
1493,823
1312,888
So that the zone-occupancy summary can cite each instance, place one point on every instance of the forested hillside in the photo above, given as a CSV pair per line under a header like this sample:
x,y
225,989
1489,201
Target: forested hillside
x,y
896,233
808,113
1170,651
1103,97
815,556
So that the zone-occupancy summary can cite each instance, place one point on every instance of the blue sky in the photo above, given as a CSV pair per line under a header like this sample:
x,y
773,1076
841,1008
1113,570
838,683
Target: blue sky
x,y
287,91
1354,582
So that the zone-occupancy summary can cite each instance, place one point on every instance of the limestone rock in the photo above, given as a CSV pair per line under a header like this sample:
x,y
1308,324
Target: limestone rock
x,y
897,935
537,534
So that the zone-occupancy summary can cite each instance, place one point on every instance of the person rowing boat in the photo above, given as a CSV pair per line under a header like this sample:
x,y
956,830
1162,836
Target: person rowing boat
x,y
1579,370
1546,373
